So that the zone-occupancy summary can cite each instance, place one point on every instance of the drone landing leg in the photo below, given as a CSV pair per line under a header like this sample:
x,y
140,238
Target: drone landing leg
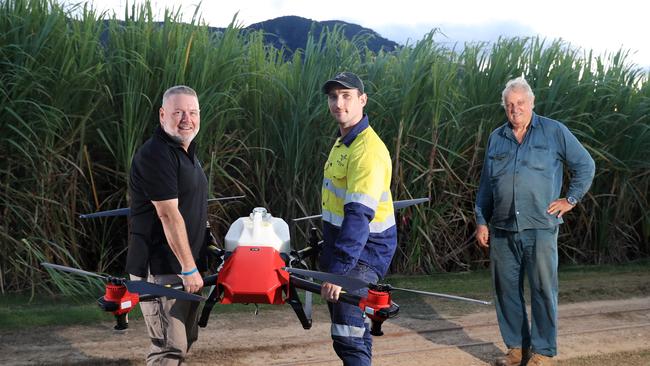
x,y
122,322
207,307
295,303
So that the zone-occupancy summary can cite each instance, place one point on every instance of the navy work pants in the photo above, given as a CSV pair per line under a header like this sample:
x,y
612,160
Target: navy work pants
x,y
350,327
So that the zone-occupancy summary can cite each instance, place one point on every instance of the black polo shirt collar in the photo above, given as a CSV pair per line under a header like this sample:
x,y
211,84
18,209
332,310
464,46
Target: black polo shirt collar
x,y
160,132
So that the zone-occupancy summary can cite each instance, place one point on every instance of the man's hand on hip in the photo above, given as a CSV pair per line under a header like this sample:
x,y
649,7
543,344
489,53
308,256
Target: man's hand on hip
x,y
559,207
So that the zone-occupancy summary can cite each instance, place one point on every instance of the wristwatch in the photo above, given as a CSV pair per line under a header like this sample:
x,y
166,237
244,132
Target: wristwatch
x,y
572,200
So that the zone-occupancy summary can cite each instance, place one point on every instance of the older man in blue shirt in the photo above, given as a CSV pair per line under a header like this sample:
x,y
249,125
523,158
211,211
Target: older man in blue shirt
x,y
518,210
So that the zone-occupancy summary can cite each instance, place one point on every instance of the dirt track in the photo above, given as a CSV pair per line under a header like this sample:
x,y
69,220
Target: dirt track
x,y
274,337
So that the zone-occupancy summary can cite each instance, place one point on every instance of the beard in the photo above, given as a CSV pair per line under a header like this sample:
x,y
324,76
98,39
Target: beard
x,y
181,140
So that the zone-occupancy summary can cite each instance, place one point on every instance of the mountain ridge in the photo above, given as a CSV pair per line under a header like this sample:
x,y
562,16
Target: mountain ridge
x,y
291,31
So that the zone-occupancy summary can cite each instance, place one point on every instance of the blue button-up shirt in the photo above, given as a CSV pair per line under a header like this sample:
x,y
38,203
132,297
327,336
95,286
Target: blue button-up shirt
x,y
519,181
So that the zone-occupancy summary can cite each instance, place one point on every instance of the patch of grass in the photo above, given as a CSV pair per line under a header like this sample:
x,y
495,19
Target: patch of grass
x,y
476,285
17,311
642,265
95,362
604,282
577,283
637,358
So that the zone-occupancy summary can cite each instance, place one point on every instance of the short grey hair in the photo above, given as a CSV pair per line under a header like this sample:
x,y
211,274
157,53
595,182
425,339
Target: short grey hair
x,y
517,84
178,89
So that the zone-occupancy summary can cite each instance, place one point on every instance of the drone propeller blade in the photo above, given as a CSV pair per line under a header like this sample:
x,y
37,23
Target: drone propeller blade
x,y
126,211
452,297
143,287
347,283
307,218
398,205
139,287
72,270
225,198
109,213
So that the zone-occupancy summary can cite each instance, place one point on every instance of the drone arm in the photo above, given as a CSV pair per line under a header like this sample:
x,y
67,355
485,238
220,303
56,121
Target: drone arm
x,y
370,302
315,288
377,306
315,245
311,252
210,280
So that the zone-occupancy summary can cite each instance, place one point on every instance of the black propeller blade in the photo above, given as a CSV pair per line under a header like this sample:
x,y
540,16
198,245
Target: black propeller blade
x,y
73,270
126,211
109,213
352,284
144,287
347,283
398,205
138,287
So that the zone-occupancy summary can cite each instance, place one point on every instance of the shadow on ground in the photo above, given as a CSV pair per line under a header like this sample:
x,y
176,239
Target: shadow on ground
x,y
434,325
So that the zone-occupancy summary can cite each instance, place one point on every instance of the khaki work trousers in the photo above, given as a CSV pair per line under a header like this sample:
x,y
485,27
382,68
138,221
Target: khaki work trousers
x,y
171,324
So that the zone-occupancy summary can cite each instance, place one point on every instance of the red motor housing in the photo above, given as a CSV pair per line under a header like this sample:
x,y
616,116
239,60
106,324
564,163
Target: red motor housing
x,y
254,274
376,301
118,300
378,307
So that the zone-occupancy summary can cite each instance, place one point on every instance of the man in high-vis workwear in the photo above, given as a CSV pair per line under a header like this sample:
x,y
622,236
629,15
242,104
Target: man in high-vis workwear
x,y
359,231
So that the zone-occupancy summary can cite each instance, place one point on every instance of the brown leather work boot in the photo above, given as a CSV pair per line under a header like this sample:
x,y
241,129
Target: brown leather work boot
x,y
540,360
514,357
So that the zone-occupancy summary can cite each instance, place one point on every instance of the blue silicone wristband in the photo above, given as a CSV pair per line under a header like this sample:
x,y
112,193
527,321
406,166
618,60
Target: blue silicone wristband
x,y
190,272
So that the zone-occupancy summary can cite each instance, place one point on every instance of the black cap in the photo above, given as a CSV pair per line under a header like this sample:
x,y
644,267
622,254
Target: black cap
x,y
346,79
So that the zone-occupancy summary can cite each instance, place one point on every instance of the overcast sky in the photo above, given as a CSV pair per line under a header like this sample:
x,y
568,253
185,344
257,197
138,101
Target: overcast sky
x,y
598,25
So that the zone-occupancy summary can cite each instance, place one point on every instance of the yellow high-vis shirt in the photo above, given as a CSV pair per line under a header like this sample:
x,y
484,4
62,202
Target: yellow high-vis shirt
x,y
357,206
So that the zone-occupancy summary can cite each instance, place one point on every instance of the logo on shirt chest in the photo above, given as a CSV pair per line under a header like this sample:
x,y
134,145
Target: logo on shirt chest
x,y
342,160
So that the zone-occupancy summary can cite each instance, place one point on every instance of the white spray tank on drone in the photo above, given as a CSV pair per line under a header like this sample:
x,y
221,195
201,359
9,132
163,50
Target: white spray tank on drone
x,y
260,228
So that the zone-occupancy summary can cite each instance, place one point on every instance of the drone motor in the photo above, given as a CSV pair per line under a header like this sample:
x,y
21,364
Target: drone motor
x,y
119,301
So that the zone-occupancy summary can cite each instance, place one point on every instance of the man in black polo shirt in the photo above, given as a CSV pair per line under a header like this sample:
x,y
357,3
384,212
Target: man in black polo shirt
x,y
168,191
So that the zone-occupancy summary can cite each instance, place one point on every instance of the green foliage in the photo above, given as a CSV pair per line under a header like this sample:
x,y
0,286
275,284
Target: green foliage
x,y
17,312
79,94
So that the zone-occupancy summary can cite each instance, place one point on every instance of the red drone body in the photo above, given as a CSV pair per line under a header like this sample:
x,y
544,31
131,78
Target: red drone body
x,y
253,274
259,274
